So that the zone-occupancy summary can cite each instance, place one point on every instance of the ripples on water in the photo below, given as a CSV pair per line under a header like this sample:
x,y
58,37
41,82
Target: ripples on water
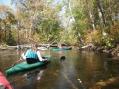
x,y
78,71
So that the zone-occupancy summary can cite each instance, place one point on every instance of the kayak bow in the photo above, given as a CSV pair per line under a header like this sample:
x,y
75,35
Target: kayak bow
x,y
4,84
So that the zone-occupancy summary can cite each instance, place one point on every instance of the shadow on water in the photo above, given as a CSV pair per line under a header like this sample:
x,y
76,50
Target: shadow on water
x,y
68,70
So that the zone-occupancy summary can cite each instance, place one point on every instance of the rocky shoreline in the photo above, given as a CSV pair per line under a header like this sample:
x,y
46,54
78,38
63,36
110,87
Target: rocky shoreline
x,y
112,52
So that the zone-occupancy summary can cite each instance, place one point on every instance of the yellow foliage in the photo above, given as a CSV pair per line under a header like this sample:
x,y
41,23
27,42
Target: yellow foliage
x,y
93,36
114,32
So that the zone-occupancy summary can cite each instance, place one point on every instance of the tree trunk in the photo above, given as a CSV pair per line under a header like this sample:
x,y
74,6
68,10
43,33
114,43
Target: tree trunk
x,y
92,20
101,12
89,8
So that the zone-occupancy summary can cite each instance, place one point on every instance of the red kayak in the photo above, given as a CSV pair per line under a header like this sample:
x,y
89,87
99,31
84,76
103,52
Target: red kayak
x,y
4,84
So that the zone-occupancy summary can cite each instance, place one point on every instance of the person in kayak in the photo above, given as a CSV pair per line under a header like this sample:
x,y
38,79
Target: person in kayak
x,y
32,55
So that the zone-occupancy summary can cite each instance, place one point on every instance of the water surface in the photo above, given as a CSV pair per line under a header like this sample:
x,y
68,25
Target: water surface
x,y
79,70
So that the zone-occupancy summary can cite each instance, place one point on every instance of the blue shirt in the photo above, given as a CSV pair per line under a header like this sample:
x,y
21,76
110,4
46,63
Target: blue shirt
x,y
31,54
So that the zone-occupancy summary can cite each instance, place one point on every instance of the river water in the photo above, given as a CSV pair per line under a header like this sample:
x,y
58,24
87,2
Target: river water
x,y
79,70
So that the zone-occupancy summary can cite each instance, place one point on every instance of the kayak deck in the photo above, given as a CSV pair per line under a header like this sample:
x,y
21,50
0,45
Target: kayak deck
x,y
23,67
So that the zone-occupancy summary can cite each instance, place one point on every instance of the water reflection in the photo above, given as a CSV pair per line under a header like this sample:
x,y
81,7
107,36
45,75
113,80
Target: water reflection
x,y
92,68
79,70
68,74
28,80
68,78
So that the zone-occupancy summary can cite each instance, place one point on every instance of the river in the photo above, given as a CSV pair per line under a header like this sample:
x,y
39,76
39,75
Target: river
x,y
79,70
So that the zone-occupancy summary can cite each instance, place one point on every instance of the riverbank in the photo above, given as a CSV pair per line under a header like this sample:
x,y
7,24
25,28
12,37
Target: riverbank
x,y
112,52
7,47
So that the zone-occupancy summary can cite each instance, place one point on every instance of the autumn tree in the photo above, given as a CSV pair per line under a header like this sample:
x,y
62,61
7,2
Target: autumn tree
x,y
38,18
7,22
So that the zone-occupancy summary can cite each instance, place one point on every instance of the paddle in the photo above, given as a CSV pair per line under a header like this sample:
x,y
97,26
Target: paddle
x,y
13,64
21,58
21,54
16,62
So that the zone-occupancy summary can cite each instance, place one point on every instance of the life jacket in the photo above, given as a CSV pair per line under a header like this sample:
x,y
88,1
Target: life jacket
x,y
31,54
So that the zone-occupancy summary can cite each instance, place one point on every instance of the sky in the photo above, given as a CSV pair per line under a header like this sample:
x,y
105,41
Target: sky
x,y
5,2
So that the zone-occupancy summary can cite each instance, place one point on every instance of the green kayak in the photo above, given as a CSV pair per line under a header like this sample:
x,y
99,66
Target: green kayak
x,y
23,67
61,49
